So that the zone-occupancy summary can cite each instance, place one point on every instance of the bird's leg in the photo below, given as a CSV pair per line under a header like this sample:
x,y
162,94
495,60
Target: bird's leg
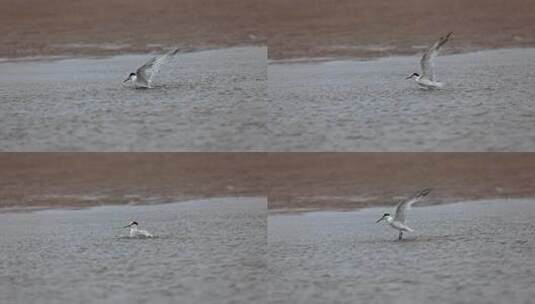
x,y
400,235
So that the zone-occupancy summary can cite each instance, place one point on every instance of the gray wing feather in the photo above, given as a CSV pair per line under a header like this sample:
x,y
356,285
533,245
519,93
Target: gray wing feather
x,y
152,67
427,59
403,206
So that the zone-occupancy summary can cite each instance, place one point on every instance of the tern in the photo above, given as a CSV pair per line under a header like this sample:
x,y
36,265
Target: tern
x,y
427,79
142,78
135,232
398,221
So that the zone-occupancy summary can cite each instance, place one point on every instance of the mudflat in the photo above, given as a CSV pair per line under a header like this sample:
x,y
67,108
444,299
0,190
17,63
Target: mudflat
x,y
89,179
297,28
65,27
326,28
304,181
290,181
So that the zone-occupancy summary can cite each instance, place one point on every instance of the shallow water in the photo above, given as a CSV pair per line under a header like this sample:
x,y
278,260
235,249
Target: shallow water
x,y
210,251
210,100
477,252
487,104
229,250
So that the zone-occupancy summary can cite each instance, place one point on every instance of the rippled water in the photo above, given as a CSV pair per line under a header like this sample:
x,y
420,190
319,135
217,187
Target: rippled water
x,y
488,104
477,252
211,101
225,100
209,251
229,250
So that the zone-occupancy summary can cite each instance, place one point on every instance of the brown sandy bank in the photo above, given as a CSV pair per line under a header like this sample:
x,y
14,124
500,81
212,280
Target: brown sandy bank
x,y
354,180
87,179
292,181
295,28
103,27
367,28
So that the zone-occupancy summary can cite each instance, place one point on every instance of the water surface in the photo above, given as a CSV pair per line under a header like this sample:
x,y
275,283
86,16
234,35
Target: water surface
x,y
474,252
487,104
210,101
210,251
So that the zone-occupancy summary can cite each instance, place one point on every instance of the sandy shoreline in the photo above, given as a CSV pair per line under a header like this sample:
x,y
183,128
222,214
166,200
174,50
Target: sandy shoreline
x,y
87,179
383,28
307,181
65,27
95,54
292,181
291,29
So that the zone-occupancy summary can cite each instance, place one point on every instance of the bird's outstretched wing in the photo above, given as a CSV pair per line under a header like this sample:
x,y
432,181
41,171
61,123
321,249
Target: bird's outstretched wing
x,y
147,71
402,207
427,59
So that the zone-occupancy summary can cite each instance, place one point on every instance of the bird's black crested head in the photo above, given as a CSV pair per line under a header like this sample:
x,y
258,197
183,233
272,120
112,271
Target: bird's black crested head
x,y
132,74
386,214
413,75
134,223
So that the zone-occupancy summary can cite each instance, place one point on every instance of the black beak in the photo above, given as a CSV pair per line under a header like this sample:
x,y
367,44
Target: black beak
x,y
408,77
126,79
380,220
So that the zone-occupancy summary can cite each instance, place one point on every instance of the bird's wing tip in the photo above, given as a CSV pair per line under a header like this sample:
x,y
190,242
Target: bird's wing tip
x,y
424,192
415,197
